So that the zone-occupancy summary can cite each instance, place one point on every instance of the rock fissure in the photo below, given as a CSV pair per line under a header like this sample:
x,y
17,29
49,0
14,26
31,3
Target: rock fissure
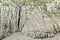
x,y
19,17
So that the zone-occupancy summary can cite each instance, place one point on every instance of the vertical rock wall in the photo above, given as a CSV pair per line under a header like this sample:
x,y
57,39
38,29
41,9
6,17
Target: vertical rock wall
x,y
32,19
8,18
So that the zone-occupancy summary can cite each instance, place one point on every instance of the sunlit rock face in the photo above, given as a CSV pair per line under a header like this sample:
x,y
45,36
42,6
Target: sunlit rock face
x,y
8,18
36,22
40,20
18,36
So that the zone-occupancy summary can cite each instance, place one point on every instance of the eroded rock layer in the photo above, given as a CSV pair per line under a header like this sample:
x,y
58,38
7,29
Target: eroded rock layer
x,y
33,21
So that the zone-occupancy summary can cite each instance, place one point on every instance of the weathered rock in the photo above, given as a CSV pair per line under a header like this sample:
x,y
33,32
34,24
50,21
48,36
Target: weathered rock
x,y
18,36
31,21
38,20
8,19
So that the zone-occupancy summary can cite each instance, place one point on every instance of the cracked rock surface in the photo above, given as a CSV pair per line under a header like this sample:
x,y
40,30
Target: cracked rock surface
x,y
34,22
19,36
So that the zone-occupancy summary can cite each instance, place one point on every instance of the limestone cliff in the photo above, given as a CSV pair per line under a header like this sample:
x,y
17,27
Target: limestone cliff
x,y
37,21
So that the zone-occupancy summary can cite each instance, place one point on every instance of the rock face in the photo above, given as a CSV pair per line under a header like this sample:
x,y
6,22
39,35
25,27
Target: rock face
x,y
36,22
8,18
43,21
18,36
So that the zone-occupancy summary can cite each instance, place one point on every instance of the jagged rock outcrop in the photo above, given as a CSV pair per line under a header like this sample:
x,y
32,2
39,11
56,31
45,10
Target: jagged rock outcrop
x,y
42,21
8,18
36,22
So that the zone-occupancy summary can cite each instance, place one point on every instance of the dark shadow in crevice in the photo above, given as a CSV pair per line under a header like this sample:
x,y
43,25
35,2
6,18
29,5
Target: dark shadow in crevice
x,y
19,17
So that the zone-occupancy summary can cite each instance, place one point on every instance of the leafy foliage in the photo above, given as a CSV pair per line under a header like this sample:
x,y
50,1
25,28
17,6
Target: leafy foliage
x,y
34,2
27,2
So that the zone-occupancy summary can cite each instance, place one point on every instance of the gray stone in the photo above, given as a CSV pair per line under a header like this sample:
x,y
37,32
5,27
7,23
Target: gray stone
x,y
18,36
31,21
